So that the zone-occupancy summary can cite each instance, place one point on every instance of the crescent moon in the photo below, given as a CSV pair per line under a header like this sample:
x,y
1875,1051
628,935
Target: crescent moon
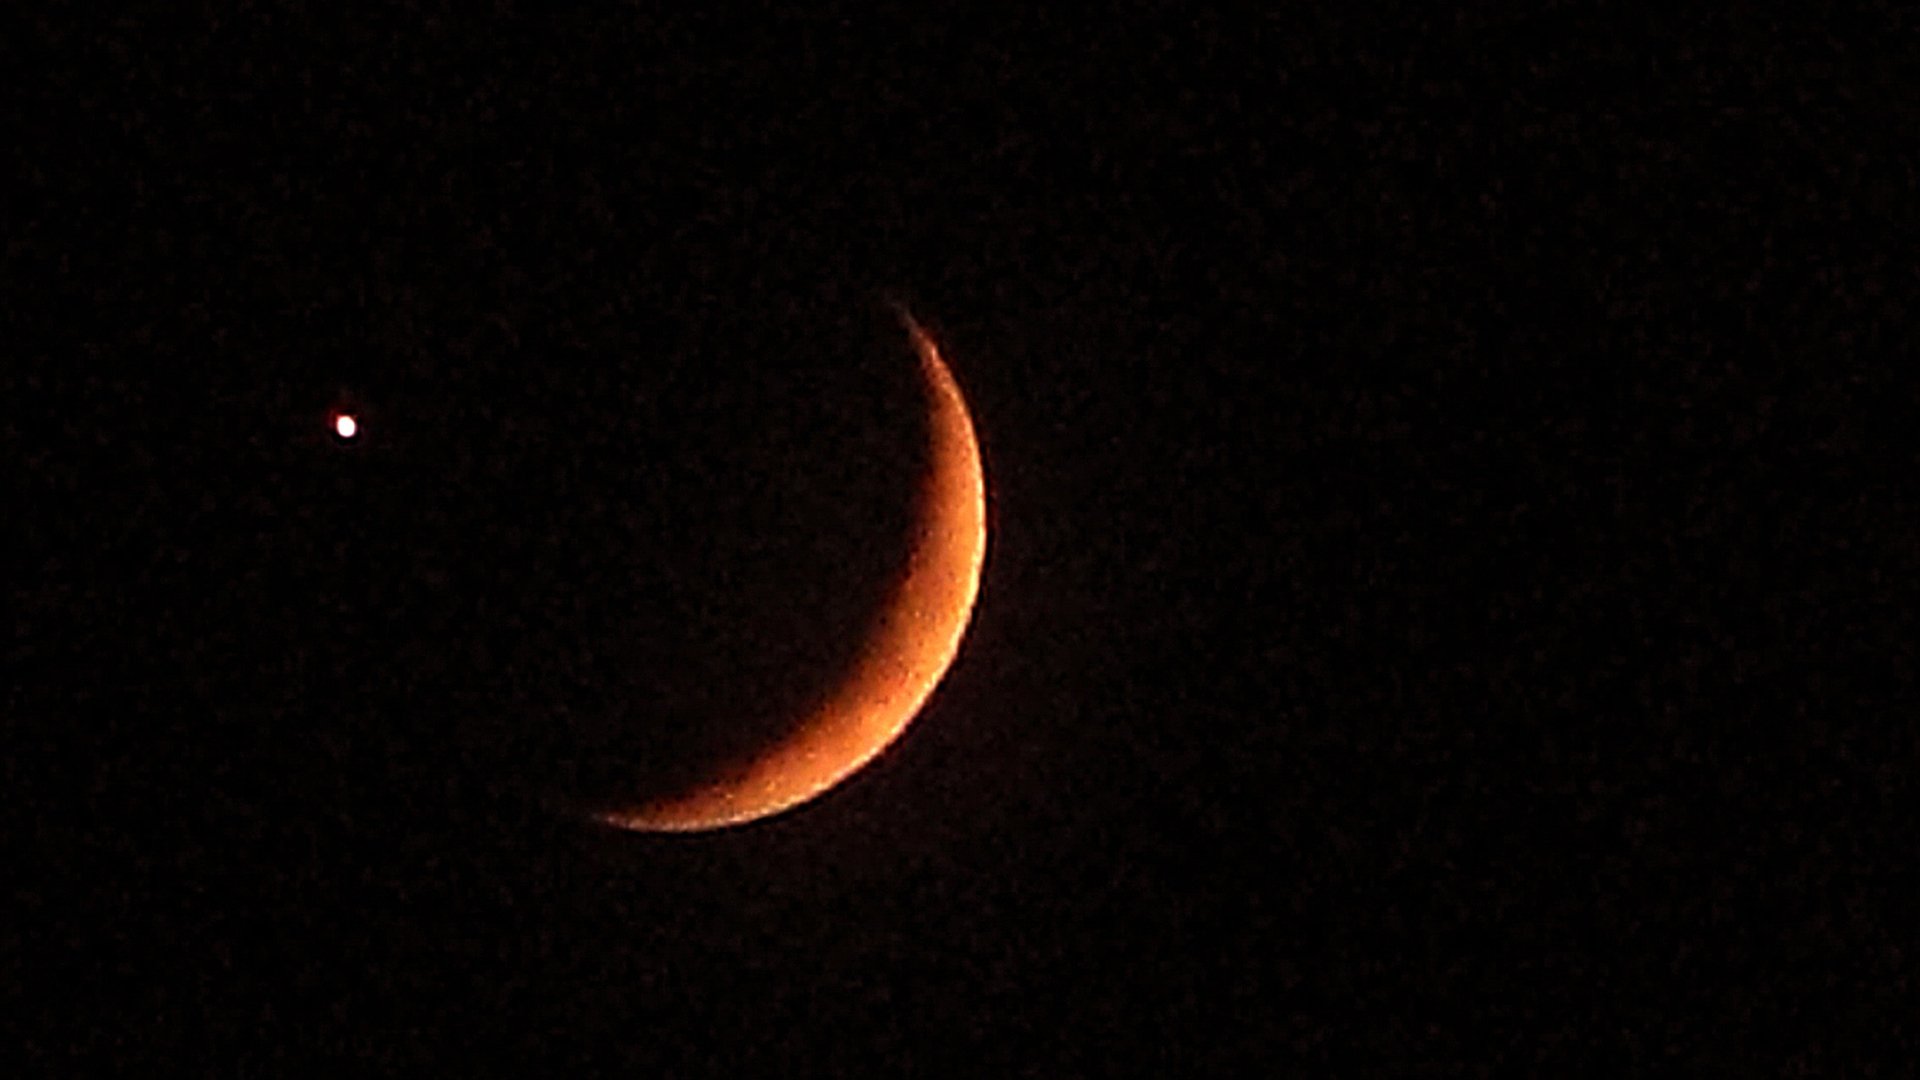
x,y
912,644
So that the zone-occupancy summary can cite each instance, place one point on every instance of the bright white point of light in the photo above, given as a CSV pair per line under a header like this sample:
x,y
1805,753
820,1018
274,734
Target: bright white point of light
x,y
345,426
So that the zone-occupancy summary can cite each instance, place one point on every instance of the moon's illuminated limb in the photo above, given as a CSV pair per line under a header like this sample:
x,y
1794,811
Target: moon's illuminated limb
x,y
904,659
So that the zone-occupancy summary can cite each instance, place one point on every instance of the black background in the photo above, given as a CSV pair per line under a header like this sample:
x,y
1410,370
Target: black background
x,y
1448,600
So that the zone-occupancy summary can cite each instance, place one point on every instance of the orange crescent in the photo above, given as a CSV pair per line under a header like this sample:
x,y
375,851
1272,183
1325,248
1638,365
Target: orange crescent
x,y
912,645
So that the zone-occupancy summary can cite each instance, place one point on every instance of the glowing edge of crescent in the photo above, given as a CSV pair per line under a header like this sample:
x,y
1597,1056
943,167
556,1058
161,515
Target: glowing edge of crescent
x,y
904,659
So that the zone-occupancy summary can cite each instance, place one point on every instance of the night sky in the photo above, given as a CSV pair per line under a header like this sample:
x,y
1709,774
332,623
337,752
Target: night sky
x,y
1449,591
